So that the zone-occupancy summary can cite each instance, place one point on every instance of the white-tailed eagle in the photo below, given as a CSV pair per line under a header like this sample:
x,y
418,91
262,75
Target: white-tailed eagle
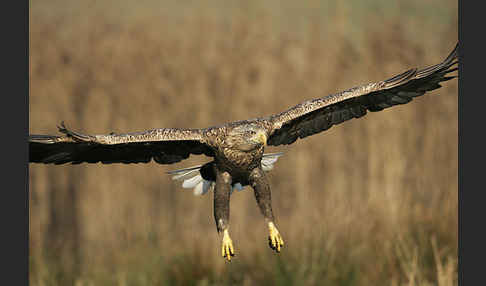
x,y
237,148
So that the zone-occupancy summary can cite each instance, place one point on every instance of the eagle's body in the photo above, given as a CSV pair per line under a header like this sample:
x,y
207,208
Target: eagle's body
x,y
238,147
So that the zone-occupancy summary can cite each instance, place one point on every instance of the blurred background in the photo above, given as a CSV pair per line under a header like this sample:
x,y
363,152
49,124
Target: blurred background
x,y
369,202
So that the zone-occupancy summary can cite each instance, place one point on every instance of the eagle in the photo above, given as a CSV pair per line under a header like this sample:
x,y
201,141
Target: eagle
x,y
237,148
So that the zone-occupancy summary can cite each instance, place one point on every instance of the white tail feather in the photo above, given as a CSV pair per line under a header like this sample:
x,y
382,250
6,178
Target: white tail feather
x,y
198,189
268,160
184,174
203,187
192,182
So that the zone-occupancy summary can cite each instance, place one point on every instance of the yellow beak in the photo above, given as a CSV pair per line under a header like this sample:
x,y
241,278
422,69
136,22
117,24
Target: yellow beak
x,y
262,137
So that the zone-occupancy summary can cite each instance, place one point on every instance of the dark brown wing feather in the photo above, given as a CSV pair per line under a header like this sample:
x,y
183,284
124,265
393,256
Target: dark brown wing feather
x,y
165,146
320,114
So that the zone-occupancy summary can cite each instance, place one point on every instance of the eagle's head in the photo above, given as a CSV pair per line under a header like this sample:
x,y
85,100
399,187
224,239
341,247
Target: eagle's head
x,y
247,137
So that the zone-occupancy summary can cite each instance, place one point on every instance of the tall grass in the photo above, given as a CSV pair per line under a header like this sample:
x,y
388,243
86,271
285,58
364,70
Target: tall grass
x,y
370,202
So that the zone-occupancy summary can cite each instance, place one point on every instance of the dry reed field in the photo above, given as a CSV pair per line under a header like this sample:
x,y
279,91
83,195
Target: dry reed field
x,y
372,201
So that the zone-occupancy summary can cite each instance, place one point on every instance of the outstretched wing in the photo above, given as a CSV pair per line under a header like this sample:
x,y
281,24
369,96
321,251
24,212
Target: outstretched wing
x,y
165,146
320,114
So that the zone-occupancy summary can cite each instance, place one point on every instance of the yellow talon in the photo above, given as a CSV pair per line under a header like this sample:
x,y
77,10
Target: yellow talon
x,y
227,249
274,239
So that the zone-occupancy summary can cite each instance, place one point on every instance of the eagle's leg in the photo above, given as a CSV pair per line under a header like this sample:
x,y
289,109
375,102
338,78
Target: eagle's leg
x,y
263,196
222,192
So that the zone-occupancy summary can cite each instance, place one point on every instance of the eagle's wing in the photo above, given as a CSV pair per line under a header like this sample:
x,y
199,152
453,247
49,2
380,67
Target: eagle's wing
x,y
320,114
165,146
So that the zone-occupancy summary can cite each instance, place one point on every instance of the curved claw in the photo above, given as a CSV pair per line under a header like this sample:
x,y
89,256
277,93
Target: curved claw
x,y
275,240
227,249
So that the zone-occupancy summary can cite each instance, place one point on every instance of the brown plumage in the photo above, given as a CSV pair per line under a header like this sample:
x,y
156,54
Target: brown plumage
x,y
237,147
